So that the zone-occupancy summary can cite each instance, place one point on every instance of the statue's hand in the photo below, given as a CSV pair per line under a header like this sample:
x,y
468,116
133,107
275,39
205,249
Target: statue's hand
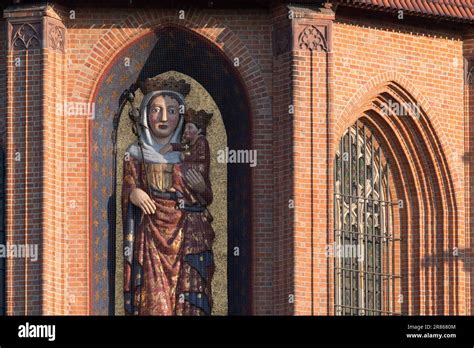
x,y
141,199
152,155
196,180
165,149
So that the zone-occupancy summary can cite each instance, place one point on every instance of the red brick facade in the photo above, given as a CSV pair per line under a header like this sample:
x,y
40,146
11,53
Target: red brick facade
x,y
330,67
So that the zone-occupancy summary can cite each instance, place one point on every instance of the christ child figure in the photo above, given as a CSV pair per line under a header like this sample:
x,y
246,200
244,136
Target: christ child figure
x,y
195,159
192,183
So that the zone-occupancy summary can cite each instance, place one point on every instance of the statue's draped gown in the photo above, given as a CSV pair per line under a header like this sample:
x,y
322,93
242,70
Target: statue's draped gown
x,y
168,260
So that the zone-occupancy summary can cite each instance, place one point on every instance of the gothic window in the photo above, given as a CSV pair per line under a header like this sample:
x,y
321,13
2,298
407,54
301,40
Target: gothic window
x,y
363,226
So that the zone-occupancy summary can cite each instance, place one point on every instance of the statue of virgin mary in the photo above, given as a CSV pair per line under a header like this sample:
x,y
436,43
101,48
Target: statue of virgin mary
x,y
168,256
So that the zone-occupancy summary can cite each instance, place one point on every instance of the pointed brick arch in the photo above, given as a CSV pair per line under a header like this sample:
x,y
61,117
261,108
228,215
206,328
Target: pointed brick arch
x,y
112,45
128,31
372,88
430,222
362,101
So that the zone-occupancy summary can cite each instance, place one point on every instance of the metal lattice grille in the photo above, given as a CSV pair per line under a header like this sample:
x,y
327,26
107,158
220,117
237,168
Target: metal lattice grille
x,y
363,224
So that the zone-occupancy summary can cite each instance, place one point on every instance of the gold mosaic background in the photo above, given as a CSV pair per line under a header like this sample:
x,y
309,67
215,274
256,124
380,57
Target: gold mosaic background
x,y
197,99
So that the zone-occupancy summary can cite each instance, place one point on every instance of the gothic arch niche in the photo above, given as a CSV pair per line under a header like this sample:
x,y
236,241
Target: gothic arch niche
x,y
428,223
182,52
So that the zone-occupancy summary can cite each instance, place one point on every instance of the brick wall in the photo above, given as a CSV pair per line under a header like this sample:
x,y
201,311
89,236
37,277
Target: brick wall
x,y
369,54
3,79
24,181
468,50
363,58
282,97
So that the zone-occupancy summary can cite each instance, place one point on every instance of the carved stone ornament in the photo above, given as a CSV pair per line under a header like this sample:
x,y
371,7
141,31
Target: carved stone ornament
x,y
25,36
56,38
311,38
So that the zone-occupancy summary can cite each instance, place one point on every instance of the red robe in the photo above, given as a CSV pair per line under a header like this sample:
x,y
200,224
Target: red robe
x,y
170,269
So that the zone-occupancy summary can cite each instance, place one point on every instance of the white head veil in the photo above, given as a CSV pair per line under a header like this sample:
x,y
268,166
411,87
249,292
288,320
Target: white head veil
x,y
147,137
